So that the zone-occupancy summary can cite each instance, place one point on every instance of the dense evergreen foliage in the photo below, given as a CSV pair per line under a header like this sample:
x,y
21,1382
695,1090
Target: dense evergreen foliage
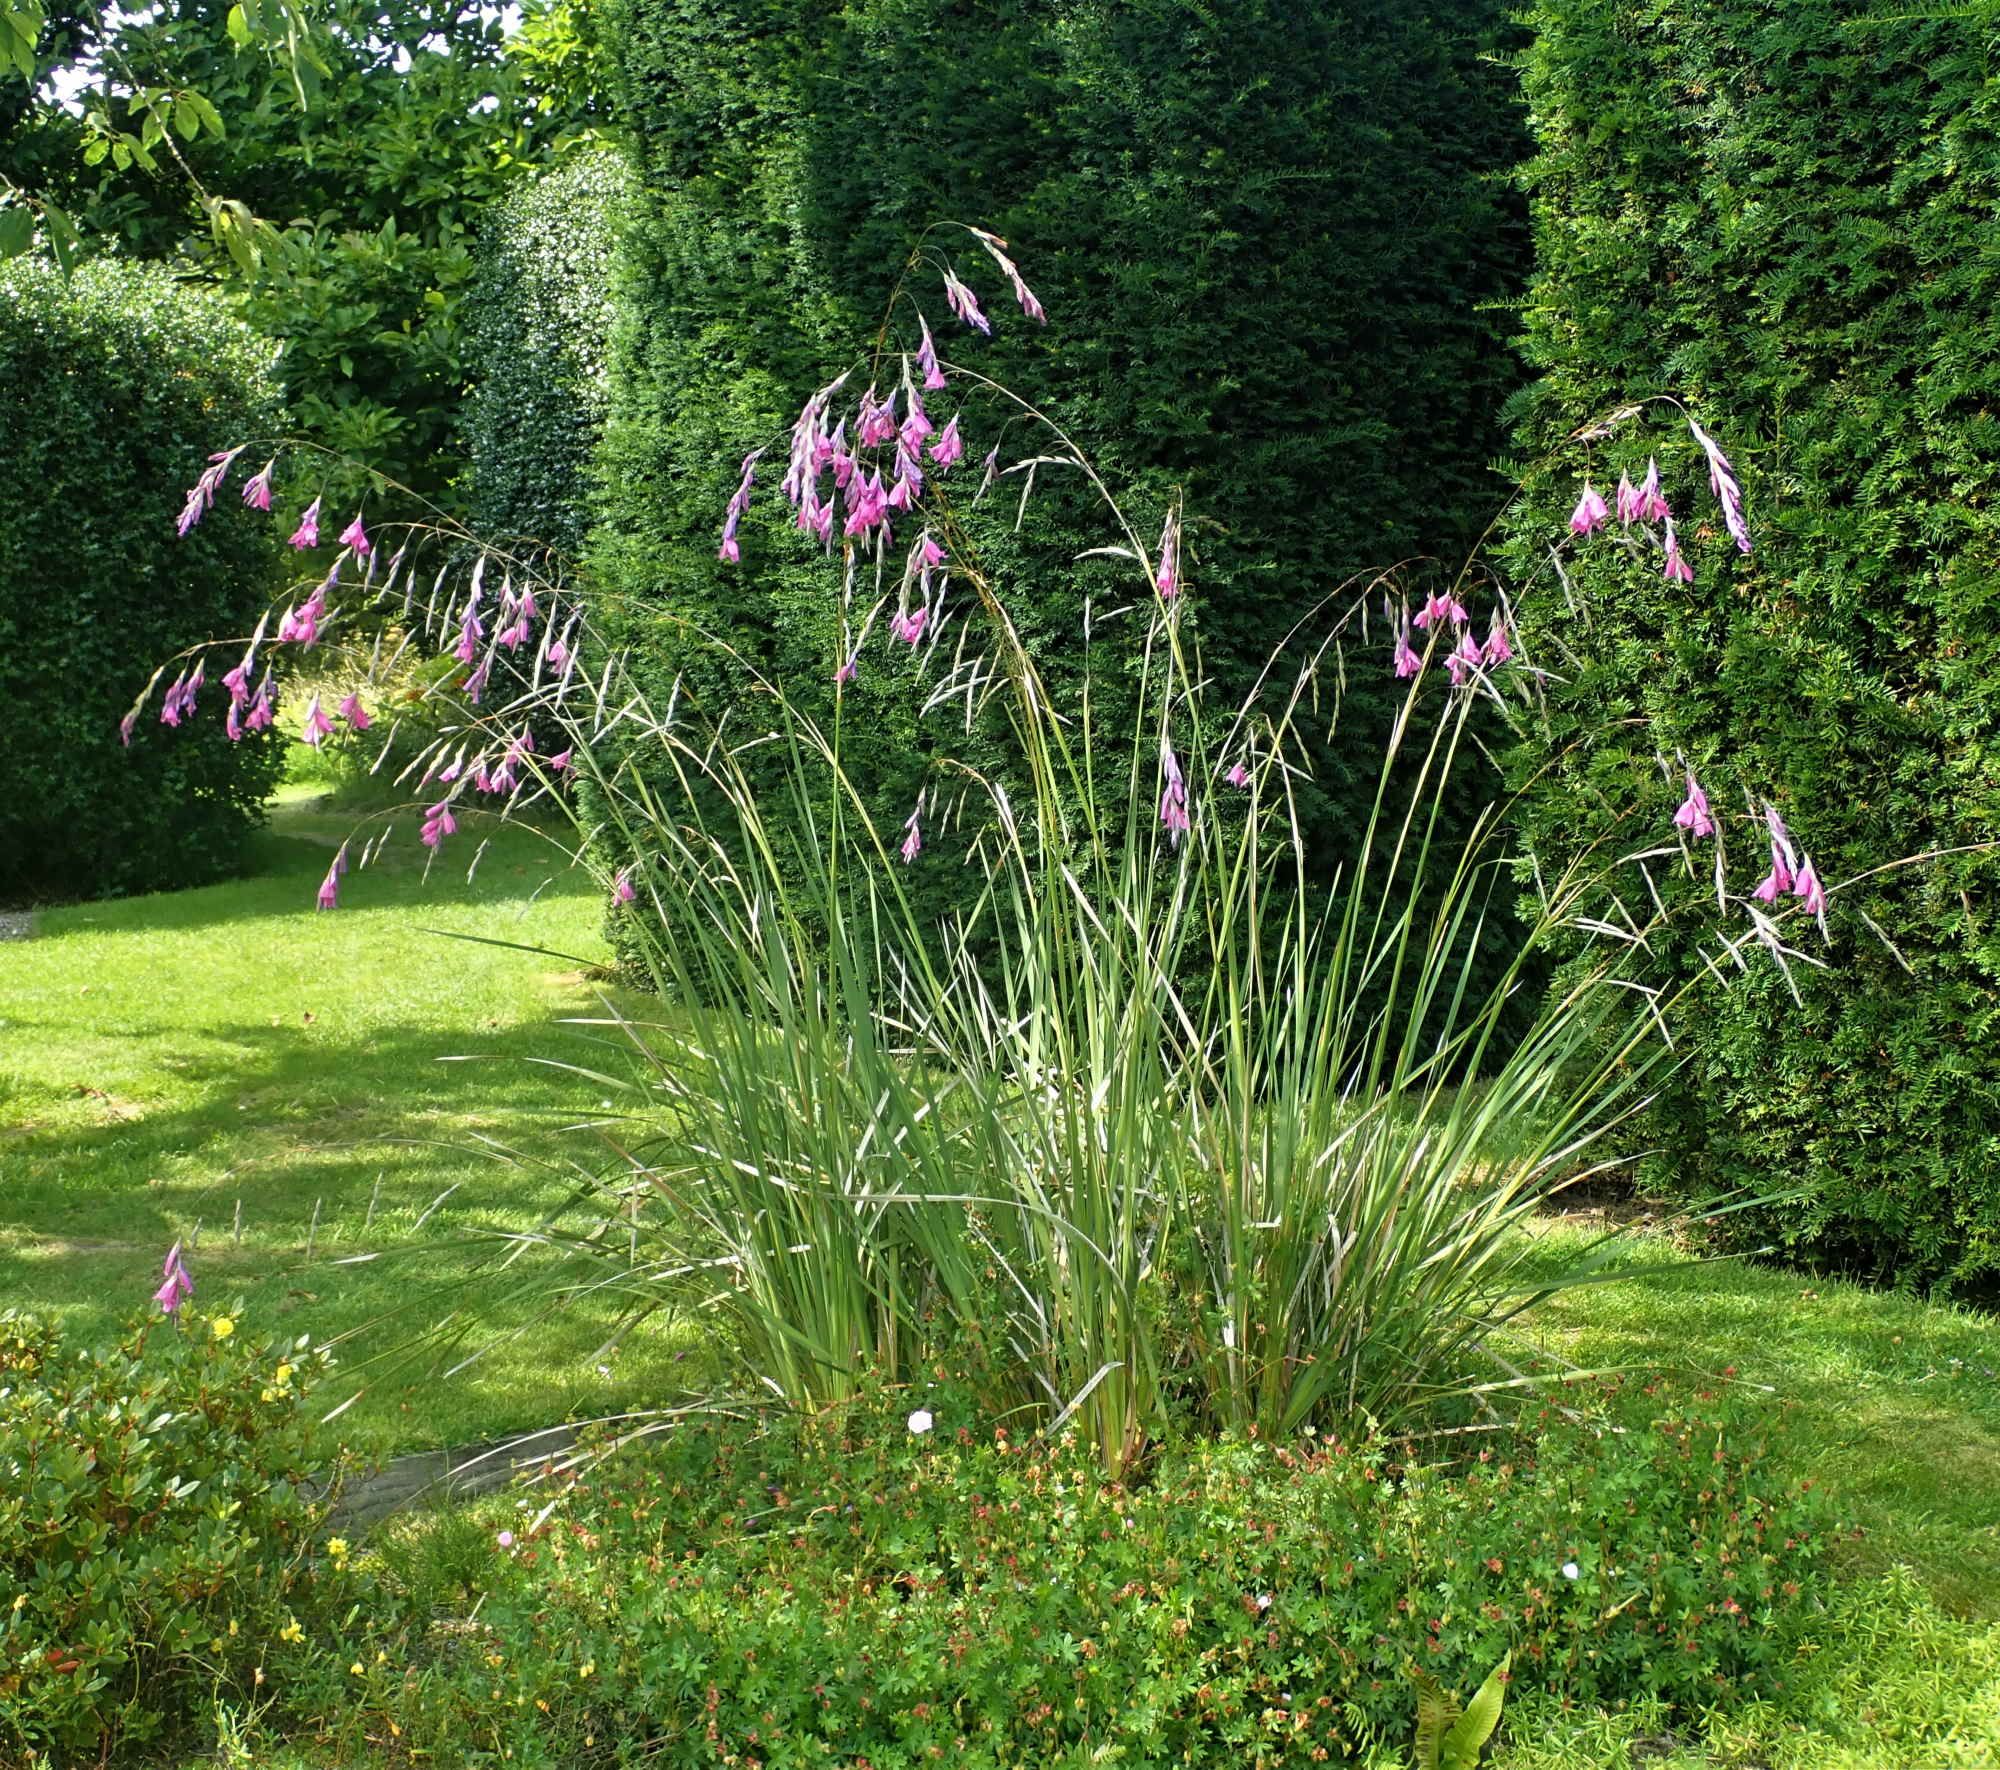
x,y
537,326
1785,216
116,384
1268,242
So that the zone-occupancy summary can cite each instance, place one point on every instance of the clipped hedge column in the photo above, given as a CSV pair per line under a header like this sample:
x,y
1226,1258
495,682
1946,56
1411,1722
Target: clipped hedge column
x,y
537,322
1785,216
115,386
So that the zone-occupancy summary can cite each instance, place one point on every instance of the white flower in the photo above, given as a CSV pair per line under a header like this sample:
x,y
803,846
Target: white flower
x,y
921,1422
1263,1600
1571,1570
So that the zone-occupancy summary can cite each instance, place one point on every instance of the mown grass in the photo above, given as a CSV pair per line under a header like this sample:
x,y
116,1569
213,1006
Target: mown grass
x,y
166,1060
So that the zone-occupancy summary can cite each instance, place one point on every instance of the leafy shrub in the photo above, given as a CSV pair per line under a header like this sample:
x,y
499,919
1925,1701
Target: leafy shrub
x,y
867,1593
537,324
158,1537
1784,215
1269,243
113,385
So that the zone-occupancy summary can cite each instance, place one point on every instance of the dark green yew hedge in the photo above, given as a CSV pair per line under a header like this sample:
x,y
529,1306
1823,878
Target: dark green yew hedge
x,y
537,324
115,387
1784,213
1270,242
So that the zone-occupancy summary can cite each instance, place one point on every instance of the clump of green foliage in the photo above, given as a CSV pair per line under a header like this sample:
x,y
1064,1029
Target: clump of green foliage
x,y
854,1588
537,323
114,384
159,1538
1780,217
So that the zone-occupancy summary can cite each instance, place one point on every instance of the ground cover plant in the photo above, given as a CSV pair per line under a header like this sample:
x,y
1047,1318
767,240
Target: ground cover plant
x,y
166,1057
904,1585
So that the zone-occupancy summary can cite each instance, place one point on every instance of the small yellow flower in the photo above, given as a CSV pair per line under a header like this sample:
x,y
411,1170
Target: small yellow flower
x,y
284,1373
336,1546
20,1600
232,1628
221,1326
355,1669
291,1631
588,1666
270,1395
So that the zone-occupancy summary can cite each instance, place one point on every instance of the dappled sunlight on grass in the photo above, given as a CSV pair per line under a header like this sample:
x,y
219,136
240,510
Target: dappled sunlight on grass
x,y
230,1058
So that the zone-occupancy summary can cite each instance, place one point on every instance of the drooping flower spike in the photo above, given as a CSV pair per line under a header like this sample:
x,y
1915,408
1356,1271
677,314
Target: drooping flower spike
x,y
1589,513
1677,569
849,670
438,824
264,705
739,503
1498,649
949,446
354,713
1628,500
965,304
621,887
1407,663
1811,893
317,726
307,533
201,495
1728,491
927,357
1238,775
1784,861
257,488
329,888
1173,797
1652,503
996,250
1693,815
1440,607
908,624
1466,658
913,836
1167,580
178,1285
356,537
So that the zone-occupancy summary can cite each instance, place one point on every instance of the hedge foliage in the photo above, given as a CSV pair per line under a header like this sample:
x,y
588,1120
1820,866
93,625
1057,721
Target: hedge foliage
x,y
1785,216
537,323
870,1594
1268,241
115,387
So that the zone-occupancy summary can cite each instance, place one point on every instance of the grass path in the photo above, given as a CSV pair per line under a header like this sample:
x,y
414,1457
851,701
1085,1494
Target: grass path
x,y
163,1058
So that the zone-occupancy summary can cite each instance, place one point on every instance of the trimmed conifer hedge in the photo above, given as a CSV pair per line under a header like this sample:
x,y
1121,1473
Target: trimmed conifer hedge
x,y
1271,246
1785,215
116,384
537,325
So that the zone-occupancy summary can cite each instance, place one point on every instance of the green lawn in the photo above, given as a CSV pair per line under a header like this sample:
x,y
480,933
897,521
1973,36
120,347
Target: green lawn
x,y
166,1060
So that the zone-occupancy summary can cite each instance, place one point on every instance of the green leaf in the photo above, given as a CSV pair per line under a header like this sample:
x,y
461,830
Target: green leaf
x,y
64,241
238,26
1435,1712
1482,1715
17,230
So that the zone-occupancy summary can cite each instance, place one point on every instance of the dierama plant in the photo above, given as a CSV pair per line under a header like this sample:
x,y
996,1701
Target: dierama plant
x,y
1151,1128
